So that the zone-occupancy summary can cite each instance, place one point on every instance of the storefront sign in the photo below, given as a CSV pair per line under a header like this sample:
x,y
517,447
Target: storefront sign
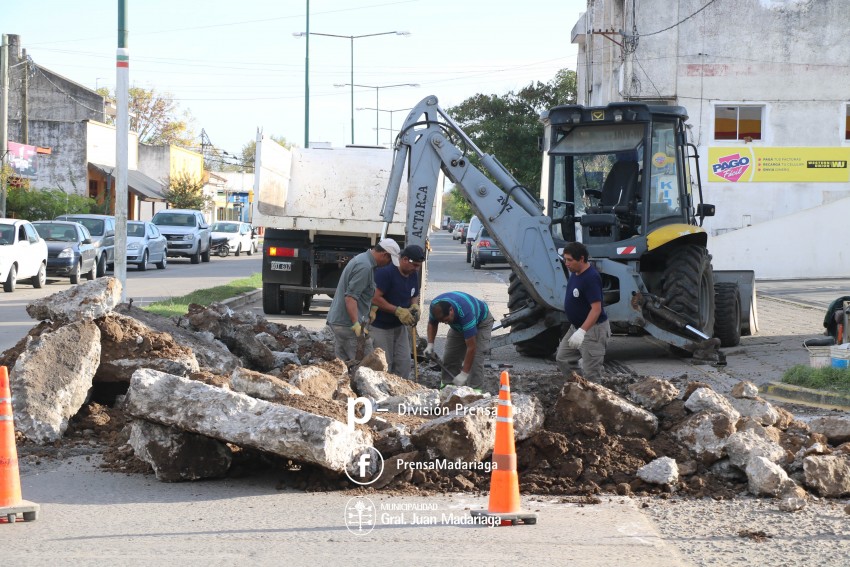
x,y
753,164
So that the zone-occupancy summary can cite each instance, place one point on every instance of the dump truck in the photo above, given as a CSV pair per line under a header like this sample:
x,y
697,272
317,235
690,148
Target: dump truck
x,y
617,178
320,207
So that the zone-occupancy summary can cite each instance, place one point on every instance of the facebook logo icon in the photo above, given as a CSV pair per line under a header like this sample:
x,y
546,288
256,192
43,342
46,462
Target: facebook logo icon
x,y
365,467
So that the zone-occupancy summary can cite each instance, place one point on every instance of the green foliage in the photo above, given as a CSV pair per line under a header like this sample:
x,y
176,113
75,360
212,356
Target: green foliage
x,y
828,378
185,192
156,117
47,204
508,126
177,306
456,206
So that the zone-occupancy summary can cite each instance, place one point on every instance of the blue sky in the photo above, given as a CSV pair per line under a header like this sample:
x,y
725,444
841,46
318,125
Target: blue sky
x,y
236,66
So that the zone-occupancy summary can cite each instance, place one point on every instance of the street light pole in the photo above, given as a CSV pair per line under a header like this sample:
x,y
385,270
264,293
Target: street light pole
x,y
391,112
351,39
377,101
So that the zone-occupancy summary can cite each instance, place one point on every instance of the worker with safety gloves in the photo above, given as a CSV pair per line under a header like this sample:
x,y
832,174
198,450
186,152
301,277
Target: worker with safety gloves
x,y
589,327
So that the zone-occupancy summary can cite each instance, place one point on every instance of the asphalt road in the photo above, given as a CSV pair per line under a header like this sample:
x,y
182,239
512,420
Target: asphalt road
x,y
179,278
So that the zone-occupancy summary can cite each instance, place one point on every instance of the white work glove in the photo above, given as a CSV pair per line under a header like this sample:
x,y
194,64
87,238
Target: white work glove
x,y
461,378
429,350
576,339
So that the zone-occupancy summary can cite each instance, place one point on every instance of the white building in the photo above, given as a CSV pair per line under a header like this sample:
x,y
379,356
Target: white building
x,y
767,89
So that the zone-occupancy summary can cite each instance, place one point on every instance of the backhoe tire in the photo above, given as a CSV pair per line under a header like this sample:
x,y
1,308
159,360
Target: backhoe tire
x,y
543,345
727,314
271,299
688,286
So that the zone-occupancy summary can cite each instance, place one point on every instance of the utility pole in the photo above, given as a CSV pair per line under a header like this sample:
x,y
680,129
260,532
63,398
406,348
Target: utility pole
x,y
122,136
307,83
25,107
4,121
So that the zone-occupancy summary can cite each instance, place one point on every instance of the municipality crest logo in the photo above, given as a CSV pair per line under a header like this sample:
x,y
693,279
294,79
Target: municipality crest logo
x,y
731,167
360,514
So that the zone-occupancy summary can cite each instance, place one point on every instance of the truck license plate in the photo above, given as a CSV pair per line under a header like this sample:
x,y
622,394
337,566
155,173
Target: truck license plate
x,y
282,266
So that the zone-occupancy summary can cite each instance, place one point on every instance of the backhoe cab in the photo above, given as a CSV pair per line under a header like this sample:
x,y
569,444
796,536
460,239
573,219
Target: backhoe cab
x,y
618,180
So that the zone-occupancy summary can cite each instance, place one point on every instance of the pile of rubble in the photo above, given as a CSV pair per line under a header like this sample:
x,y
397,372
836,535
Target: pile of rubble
x,y
217,387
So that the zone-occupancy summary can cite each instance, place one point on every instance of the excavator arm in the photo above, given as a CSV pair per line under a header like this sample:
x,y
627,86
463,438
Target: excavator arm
x,y
513,217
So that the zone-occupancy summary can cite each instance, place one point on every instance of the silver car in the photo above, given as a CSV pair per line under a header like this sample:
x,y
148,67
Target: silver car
x,y
145,244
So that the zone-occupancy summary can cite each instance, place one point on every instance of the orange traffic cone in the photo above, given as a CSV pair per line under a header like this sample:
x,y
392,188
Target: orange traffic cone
x,y
504,505
11,503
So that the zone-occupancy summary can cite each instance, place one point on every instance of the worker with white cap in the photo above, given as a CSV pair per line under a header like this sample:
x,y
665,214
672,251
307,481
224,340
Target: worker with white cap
x,y
349,311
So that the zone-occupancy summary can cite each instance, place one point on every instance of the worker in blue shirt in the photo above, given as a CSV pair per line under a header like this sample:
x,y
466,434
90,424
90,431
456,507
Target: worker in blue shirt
x,y
468,339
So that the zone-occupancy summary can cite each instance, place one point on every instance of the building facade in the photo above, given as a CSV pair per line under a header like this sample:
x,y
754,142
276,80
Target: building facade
x,y
769,107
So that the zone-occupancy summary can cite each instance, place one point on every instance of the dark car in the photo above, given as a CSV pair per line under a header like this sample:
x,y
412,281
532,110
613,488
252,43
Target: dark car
x,y
70,251
102,230
485,250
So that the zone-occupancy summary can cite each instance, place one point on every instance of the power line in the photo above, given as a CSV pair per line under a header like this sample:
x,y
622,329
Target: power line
x,y
683,20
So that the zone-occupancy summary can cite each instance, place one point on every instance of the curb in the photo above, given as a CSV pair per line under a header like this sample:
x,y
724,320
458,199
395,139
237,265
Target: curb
x,y
806,396
243,299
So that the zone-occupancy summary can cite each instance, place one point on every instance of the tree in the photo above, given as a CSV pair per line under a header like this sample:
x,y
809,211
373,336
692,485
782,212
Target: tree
x,y
156,117
508,126
250,149
186,192
456,206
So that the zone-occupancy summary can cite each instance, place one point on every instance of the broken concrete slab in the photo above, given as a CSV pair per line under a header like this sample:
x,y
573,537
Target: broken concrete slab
x,y
653,393
209,352
375,360
262,386
745,390
245,421
451,396
705,435
177,455
379,386
663,471
828,475
756,408
315,381
88,300
764,477
128,344
582,401
467,437
709,400
742,446
529,415
51,380
836,428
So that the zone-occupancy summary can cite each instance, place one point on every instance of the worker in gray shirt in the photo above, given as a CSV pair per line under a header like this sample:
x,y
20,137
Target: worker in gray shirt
x,y
353,296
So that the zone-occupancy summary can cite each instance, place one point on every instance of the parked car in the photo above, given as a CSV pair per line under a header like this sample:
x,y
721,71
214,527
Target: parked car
x,y
463,232
240,236
70,250
457,230
486,251
102,230
23,254
471,233
145,244
187,232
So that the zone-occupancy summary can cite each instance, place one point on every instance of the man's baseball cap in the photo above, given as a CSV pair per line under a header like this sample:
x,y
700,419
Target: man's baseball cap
x,y
391,246
414,252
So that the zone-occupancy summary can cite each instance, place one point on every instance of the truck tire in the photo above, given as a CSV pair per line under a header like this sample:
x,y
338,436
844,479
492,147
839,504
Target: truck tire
x,y
727,314
293,303
688,286
543,345
271,299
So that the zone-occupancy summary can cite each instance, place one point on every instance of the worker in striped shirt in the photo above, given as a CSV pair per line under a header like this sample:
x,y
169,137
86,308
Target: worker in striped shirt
x,y
468,339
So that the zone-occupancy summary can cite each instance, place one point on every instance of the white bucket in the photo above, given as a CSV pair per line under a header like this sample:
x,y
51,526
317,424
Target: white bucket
x,y
819,356
840,355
